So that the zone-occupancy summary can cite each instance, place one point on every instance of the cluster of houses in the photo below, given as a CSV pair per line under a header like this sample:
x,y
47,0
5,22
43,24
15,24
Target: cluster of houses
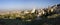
x,y
39,12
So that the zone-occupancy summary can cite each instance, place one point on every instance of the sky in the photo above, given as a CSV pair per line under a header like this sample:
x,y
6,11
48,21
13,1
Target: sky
x,y
26,4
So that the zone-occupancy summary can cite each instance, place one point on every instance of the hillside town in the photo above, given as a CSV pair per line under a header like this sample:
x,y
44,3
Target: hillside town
x,y
38,16
30,13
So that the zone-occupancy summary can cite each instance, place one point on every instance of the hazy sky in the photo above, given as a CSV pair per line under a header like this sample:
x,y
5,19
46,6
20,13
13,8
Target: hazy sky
x,y
26,4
